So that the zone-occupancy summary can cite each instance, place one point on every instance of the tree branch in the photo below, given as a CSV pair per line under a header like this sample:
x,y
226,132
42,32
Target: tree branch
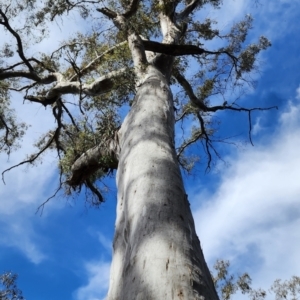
x,y
135,43
91,66
102,85
20,50
248,110
52,77
188,10
103,156
70,115
95,191
188,143
7,129
179,50
107,12
22,63
202,106
34,156
41,207
189,91
132,8
208,143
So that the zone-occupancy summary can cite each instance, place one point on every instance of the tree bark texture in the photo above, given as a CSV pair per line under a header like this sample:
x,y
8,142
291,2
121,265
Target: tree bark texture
x,y
157,254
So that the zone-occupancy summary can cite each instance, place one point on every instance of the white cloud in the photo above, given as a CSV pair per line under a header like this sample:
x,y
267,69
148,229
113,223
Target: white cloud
x,y
105,242
298,93
18,233
26,186
257,126
253,218
98,280
20,197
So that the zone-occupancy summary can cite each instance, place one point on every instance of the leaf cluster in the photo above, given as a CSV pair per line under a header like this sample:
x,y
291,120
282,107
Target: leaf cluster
x,y
90,56
77,140
228,284
8,287
11,131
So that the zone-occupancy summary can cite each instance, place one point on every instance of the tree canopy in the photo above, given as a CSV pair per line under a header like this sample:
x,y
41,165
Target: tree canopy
x,y
100,65
228,284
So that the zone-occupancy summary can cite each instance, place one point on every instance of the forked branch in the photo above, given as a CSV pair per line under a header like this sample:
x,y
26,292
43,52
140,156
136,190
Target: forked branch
x,y
188,10
33,157
4,21
203,107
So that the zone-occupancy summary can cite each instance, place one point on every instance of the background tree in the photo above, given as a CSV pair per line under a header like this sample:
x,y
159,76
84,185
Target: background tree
x,y
112,67
9,289
228,285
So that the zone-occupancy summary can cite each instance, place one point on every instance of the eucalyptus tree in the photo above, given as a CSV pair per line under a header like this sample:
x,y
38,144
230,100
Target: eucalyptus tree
x,y
122,70
228,284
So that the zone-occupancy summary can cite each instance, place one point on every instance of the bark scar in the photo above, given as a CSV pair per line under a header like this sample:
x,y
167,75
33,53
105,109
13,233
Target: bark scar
x,y
167,264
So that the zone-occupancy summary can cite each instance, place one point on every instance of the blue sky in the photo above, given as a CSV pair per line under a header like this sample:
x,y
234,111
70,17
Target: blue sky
x,y
246,210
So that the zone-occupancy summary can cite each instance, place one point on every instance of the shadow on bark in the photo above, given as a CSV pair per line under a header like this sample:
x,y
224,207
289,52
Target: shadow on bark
x,y
156,236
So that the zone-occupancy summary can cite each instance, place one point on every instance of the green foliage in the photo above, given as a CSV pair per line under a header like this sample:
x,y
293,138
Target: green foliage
x,y
77,140
8,287
288,289
248,56
101,48
228,285
204,29
206,89
11,132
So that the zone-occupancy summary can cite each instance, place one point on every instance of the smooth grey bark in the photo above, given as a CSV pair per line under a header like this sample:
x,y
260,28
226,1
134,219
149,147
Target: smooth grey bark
x,y
157,254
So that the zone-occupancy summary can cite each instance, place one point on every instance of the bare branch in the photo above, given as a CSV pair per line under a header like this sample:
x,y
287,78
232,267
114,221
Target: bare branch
x,y
180,50
248,110
208,143
185,112
22,63
20,51
107,12
15,74
70,116
132,8
100,86
188,143
94,190
41,207
52,77
2,122
33,157
92,65
202,106
189,90
188,10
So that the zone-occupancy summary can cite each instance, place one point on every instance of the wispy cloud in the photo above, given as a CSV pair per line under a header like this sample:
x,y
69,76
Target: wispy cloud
x,y
20,235
298,93
97,282
105,242
26,186
253,218
19,198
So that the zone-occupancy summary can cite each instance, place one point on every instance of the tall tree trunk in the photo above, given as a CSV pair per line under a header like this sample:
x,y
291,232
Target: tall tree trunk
x,y
157,254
